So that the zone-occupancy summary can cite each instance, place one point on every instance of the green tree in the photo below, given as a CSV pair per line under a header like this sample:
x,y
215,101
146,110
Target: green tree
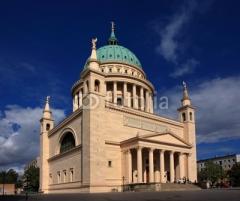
x,y
31,178
212,172
9,176
234,175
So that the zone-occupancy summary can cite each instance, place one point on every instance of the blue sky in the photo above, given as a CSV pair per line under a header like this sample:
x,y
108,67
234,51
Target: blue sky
x,y
44,45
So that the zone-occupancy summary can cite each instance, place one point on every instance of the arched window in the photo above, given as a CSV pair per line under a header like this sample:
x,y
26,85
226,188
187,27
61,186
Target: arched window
x,y
67,143
184,116
87,87
191,116
48,127
97,86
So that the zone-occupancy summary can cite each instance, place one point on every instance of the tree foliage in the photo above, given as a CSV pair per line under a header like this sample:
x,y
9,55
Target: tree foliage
x,y
31,178
9,176
212,172
234,175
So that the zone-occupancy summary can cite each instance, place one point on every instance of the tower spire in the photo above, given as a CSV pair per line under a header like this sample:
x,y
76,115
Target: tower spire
x,y
112,40
47,113
185,100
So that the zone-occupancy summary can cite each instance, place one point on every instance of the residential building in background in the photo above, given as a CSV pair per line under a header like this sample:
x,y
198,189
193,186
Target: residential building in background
x,y
226,161
7,189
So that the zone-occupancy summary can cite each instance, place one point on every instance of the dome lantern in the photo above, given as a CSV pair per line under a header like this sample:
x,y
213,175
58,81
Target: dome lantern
x,y
113,40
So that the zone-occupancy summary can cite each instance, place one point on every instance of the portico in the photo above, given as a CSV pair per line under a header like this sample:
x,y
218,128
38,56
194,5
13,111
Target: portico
x,y
155,161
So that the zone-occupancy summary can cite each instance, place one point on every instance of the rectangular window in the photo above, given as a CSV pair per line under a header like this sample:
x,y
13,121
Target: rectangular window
x,y
50,179
58,177
71,175
109,163
64,176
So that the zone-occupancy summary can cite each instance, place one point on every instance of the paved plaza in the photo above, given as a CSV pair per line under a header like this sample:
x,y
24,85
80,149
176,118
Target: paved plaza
x,y
200,195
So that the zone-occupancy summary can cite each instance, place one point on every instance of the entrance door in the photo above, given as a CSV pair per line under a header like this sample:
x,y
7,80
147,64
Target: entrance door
x,y
168,176
147,174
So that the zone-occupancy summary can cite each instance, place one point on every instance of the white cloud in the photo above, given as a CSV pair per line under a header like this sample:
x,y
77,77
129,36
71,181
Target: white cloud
x,y
218,108
19,134
185,68
171,45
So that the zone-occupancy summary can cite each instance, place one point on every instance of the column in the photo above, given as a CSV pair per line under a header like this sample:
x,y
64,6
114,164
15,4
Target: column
x,y
150,103
85,88
147,102
134,97
129,155
151,165
139,164
75,102
115,92
181,165
141,99
172,173
162,168
125,98
80,97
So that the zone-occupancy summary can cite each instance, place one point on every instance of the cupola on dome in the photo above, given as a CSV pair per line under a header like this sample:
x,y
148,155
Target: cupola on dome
x,y
116,53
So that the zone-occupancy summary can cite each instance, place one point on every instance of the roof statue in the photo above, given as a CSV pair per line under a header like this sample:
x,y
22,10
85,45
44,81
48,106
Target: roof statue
x,y
184,85
94,42
185,92
48,99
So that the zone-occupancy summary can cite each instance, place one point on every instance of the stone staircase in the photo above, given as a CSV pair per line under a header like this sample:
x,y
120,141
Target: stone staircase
x,y
160,187
179,187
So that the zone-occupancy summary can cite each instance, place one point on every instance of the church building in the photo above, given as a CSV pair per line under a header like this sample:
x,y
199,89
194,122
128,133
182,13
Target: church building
x,y
113,139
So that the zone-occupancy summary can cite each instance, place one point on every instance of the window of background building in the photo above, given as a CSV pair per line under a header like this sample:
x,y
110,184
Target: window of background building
x,y
109,163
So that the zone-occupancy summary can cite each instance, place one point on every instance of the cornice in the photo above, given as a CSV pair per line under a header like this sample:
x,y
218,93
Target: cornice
x,y
65,121
144,114
61,155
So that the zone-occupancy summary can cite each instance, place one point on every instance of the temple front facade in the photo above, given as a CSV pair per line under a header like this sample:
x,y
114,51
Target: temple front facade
x,y
113,138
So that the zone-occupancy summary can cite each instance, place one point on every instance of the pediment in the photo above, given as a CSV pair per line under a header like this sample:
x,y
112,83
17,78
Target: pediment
x,y
166,138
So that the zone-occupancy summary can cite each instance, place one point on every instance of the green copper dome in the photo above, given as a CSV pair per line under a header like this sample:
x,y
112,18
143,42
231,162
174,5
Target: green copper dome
x,y
116,53
111,53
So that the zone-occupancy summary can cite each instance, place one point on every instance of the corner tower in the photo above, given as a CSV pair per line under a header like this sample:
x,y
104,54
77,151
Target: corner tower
x,y
47,123
187,117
